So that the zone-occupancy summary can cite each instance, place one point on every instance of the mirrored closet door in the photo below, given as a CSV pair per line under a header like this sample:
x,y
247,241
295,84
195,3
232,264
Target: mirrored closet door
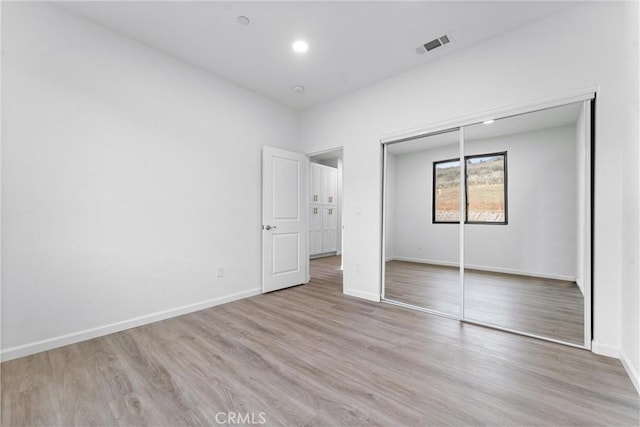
x,y
421,267
510,200
524,231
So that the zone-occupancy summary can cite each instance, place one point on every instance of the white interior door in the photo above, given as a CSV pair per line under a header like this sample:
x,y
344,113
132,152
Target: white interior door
x,y
284,219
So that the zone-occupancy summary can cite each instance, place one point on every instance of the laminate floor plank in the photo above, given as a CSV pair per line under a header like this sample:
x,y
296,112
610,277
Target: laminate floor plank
x,y
285,373
25,381
310,361
158,396
105,364
309,355
231,373
78,401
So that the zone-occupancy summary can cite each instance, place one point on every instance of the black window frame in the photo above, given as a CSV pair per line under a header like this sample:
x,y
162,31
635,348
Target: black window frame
x,y
466,190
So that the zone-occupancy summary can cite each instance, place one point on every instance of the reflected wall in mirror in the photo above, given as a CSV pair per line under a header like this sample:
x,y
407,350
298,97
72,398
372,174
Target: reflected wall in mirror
x,y
422,258
526,272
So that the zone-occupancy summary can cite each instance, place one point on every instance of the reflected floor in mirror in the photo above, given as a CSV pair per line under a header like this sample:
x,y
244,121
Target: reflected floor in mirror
x,y
544,307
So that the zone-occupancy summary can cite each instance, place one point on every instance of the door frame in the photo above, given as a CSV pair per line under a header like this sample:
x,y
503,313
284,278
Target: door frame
x,y
340,205
587,96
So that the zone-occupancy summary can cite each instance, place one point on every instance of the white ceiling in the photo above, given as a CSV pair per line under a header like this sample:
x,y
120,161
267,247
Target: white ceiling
x,y
352,44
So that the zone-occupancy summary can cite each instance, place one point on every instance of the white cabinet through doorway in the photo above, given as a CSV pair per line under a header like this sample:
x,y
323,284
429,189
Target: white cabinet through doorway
x,y
323,210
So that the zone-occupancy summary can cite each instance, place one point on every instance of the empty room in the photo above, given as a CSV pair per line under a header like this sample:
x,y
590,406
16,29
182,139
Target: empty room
x,y
320,213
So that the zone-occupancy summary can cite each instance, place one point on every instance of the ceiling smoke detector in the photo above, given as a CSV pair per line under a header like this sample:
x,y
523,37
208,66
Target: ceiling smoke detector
x,y
429,46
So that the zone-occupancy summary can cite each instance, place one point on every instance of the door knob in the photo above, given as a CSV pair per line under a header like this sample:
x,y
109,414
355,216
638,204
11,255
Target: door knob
x,y
268,227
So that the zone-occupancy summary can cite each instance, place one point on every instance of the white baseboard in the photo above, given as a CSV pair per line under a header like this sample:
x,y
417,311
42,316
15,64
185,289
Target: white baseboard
x,y
605,350
364,295
485,268
631,370
580,285
87,334
322,255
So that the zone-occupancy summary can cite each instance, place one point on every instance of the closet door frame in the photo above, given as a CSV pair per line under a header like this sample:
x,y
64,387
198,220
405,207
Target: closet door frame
x,y
587,97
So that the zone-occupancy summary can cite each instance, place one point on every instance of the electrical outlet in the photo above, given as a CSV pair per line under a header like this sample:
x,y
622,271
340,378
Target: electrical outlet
x,y
220,272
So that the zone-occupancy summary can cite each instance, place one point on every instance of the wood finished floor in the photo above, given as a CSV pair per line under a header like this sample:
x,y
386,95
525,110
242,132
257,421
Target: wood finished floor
x,y
309,355
543,307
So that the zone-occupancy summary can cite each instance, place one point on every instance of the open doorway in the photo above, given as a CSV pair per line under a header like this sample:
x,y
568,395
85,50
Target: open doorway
x,y
326,201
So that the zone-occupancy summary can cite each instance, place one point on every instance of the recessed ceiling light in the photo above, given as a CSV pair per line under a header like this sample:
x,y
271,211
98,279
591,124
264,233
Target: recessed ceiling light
x,y
488,122
297,88
300,46
243,20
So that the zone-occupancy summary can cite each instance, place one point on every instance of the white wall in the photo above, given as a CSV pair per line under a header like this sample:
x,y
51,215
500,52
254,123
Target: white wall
x,y
582,47
540,237
630,115
128,177
412,235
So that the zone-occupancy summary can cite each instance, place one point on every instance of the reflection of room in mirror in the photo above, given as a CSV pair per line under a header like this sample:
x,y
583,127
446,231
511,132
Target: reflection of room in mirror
x,y
524,238
409,218
529,268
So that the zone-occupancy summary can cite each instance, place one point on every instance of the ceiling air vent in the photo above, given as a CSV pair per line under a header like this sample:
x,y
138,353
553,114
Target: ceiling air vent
x,y
429,46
